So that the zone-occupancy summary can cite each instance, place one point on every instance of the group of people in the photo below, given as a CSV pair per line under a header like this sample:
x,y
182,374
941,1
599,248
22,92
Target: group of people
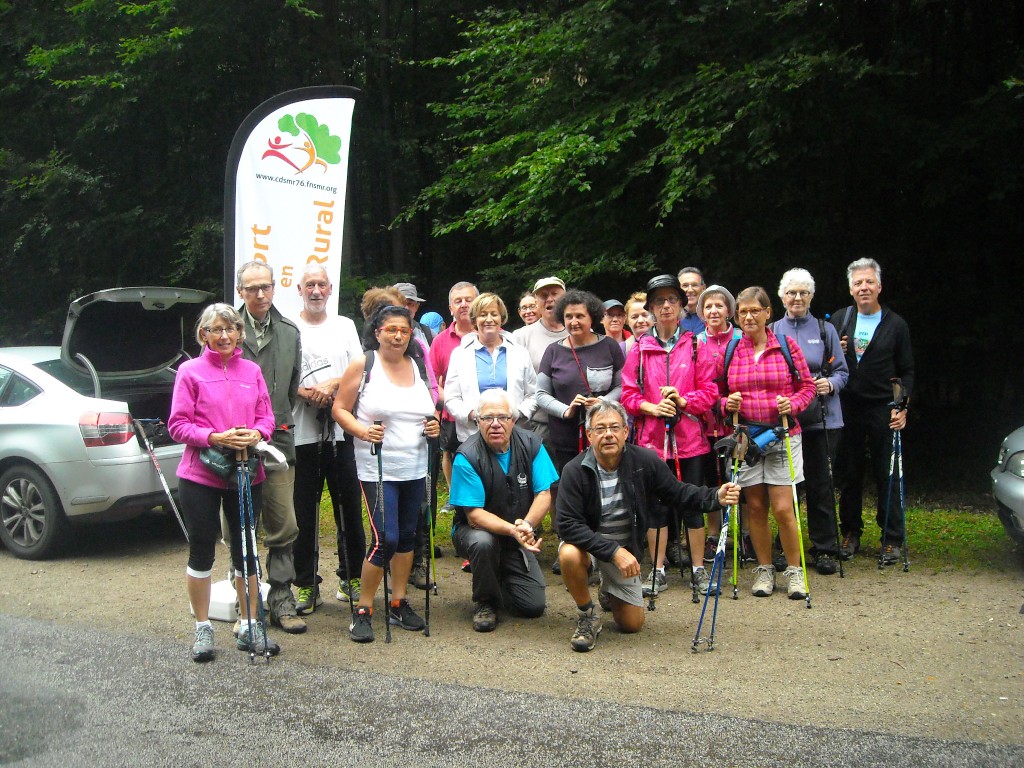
x,y
612,433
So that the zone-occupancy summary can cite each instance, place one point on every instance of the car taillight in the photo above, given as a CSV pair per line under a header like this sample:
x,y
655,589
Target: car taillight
x,y
99,429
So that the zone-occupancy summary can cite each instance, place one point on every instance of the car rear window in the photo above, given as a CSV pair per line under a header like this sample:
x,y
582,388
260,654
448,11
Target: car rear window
x,y
83,384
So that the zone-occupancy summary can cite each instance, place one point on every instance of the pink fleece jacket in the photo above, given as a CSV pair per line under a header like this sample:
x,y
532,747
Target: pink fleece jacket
x,y
694,381
211,396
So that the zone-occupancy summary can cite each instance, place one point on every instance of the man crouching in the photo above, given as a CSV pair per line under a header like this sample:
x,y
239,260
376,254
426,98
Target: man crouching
x,y
605,498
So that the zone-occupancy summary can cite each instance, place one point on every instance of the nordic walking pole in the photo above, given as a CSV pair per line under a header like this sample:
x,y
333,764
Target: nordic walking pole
x,y
243,519
899,403
740,451
261,615
796,507
432,573
718,565
159,472
826,371
376,448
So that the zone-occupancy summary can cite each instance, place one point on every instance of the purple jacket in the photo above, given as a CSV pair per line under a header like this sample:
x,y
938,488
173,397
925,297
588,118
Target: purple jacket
x,y
210,396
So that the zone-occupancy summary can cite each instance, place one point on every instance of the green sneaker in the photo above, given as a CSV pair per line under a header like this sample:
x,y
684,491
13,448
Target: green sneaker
x,y
202,648
308,600
348,591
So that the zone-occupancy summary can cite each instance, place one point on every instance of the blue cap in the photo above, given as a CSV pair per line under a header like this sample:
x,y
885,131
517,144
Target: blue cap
x,y
433,321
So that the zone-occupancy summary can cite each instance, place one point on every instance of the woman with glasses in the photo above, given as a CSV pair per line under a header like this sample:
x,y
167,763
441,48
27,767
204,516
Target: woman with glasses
x,y
385,403
762,389
577,373
488,359
528,309
667,385
822,422
220,401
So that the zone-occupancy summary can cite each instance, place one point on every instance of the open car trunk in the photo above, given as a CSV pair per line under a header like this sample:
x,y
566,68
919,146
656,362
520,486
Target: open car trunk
x,y
122,344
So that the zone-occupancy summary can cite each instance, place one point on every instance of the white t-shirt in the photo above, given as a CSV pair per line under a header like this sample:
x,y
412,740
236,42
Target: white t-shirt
x,y
327,349
402,411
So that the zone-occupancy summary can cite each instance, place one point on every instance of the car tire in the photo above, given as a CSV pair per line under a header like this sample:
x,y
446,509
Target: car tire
x,y
32,521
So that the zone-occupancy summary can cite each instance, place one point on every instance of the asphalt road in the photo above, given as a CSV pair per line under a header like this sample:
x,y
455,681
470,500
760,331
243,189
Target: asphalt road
x,y
82,697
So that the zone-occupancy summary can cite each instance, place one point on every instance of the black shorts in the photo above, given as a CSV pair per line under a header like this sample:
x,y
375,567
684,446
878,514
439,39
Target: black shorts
x,y
449,437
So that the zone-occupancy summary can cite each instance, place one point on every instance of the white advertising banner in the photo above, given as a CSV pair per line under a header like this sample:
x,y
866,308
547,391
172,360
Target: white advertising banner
x,y
284,191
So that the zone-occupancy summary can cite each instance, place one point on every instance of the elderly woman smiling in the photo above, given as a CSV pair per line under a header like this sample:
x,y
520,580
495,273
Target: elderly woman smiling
x,y
822,425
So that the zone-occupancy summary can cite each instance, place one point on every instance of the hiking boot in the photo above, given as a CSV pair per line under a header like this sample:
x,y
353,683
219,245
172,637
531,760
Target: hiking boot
x,y
891,554
402,615
824,563
660,583
747,550
348,591
260,642
700,579
604,599
795,587
419,577
588,627
764,581
485,619
677,555
289,622
438,552
710,548
556,567
849,547
447,509
202,648
466,567
361,628
308,599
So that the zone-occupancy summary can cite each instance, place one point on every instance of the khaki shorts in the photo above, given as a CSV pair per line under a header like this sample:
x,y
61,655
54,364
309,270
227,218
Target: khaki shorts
x,y
773,468
628,590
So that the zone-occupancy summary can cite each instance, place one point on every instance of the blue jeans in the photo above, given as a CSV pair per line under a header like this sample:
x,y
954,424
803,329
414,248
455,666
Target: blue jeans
x,y
393,527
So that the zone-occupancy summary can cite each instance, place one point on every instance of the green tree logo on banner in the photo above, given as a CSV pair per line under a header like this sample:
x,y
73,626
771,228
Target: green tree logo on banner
x,y
319,145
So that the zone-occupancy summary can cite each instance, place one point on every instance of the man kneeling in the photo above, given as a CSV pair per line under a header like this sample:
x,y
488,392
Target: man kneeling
x,y
500,481
604,501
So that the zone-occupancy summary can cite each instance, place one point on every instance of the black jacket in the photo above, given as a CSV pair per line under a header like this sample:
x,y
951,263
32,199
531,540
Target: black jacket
x,y
507,495
888,355
647,480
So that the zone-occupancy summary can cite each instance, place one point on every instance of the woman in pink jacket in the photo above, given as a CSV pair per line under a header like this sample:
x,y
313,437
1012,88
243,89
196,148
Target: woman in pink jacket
x,y
763,389
667,384
219,400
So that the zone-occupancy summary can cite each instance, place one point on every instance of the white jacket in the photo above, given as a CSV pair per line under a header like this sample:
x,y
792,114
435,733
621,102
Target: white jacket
x,y
462,391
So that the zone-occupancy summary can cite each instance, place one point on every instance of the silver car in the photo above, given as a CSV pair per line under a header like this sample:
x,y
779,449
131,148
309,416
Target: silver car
x,y
1008,484
70,450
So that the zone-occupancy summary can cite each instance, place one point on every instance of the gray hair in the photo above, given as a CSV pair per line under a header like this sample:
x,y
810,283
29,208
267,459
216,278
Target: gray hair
x,y
310,269
251,265
797,276
495,396
863,264
606,406
224,312
458,287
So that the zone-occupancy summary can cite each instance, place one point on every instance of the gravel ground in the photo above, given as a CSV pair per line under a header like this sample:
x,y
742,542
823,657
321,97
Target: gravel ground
x,y
934,654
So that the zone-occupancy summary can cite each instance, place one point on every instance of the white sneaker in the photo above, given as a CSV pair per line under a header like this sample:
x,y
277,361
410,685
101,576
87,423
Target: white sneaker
x,y
795,583
764,580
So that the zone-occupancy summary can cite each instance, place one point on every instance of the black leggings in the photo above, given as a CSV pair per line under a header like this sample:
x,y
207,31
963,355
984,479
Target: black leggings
x,y
200,507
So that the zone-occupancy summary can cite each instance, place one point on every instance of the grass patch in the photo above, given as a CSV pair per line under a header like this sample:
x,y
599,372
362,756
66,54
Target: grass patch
x,y
938,537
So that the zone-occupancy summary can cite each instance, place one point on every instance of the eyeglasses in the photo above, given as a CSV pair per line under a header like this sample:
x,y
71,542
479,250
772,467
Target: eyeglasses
x,y
750,312
396,330
221,331
252,290
691,286
493,417
661,300
797,294
603,428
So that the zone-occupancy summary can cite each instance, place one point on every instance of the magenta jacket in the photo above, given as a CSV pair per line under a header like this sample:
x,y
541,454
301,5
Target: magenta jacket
x,y
695,382
211,397
759,382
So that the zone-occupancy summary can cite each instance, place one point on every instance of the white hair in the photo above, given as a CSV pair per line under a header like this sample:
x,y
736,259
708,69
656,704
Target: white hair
x,y
494,396
798,276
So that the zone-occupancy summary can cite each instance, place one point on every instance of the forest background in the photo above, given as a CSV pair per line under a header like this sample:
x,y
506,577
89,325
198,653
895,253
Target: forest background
x,y
603,141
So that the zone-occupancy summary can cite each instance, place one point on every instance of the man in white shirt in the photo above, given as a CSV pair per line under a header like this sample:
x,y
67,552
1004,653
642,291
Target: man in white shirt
x,y
322,450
